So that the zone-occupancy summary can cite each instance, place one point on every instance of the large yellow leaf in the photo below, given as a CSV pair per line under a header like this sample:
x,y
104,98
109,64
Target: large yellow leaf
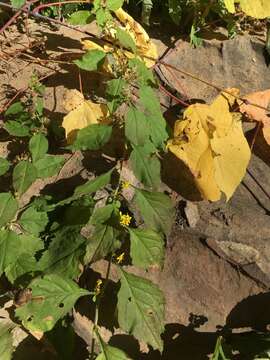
x,y
232,155
210,141
230,5
81,113
259,9
261,98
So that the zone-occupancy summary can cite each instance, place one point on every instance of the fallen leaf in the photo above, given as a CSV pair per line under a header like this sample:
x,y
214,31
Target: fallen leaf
x,y
144,44
261,98
211,142
81,114
259,9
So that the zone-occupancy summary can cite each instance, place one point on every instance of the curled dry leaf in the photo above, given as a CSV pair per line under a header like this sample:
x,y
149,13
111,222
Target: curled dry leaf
x,y
81,113
145,46
211,142
261,98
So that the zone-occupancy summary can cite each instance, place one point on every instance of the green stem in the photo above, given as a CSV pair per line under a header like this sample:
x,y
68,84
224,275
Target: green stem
x,y
95,327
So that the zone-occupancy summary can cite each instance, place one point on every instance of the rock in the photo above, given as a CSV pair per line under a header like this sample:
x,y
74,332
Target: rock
x,y
238,62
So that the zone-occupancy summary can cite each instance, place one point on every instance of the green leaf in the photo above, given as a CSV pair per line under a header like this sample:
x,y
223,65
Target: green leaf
x,y
17,3
33,221
156,209
175,11
6,341
144,75
103,214
101,243
92,137
146,248
92,60
52,298
158,130
145,166
8,208
89,187
81,17
38,146
12,245
14,109
114,91
149,100
93,186
49,165
114,5
24,264
63,254
111,353
126,40
136,127
4,166
15,128
141,309
103,16
24,174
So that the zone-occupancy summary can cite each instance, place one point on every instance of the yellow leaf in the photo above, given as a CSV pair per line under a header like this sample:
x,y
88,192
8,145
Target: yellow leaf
x,y
261,98
232,155
210,141
82,113
144,45
230,5
259,9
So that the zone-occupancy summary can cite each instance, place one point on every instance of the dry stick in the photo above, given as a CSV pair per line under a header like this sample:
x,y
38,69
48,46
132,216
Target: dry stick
x,y
258,128
43,6
179,101
260,186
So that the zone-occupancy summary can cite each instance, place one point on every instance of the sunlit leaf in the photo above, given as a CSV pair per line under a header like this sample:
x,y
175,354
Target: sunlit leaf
x,y
82,113
91,61
52,298
4,166
8,208
24,174
81,17
260,98
146,248
38,146
33,221
211,142
49,165
141,309
156,208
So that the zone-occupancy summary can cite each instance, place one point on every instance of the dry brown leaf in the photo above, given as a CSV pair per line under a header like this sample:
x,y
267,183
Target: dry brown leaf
x,y
83,113
210,141
261,98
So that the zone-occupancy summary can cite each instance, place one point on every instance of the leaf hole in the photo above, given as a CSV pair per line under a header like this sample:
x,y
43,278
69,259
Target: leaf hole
x,y
30,318
61,305
129,299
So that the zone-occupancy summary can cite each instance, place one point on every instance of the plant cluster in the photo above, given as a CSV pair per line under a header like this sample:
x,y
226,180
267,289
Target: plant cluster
x,y
48,242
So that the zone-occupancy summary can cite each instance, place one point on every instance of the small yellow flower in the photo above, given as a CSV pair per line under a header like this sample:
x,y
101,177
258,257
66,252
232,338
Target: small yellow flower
x,y
120,258
98,287
125,219
125,185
